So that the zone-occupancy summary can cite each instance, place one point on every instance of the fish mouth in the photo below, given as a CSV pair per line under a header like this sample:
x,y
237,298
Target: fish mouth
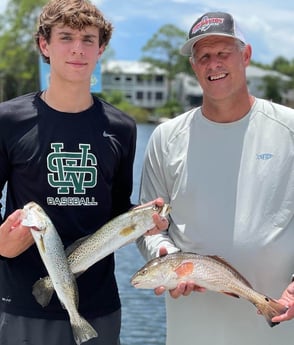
x,y
35,228
165,210
135,284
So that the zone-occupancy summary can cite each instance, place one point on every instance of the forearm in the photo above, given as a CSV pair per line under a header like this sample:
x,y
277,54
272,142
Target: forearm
x,y
149,246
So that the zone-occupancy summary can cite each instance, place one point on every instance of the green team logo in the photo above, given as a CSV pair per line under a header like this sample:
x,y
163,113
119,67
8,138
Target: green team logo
x,y
76,170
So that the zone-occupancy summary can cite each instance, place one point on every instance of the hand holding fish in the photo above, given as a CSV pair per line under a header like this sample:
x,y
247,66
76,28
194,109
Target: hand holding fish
x,y
182,289
161,222
14,237
287,299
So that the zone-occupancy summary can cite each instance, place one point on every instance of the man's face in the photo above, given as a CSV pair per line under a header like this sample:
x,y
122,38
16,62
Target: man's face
x,y
219,64
73,53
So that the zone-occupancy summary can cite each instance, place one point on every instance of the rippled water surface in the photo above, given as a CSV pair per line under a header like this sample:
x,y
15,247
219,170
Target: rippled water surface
x,y
143,313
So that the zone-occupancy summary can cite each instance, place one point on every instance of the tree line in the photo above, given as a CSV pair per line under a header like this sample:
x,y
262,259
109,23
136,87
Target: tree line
x,y
19,71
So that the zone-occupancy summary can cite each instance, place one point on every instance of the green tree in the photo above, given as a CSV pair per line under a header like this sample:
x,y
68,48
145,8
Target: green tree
x,y
162,51
117,99
273,88
18,55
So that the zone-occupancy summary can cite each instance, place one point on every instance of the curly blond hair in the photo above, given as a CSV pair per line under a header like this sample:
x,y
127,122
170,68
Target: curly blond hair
x,y
76,14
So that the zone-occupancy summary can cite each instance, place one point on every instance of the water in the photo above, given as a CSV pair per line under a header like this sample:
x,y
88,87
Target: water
x,y
143,313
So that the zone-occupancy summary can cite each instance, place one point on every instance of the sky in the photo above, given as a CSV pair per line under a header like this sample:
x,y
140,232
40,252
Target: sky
x,y
268,25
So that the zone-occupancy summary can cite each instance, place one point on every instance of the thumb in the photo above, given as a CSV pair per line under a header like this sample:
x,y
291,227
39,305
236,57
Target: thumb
x,y
290,289
14,219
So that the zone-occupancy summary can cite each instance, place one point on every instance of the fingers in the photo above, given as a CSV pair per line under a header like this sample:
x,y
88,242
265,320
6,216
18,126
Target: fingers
x,y
289,315
159,291
14,238
183,289
161,224
162,251
12,220
159,202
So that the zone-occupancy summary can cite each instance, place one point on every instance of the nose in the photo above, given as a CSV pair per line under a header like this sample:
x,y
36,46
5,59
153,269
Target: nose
x,y
77,49
215,61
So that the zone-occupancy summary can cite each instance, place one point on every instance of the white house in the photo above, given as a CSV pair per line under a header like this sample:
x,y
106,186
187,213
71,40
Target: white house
x,y
255,79
142,84
146,86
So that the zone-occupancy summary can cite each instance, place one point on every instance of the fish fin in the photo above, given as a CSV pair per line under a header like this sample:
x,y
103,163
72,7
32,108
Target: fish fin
x,y
224,262
82,330
42,244
184,269
43,291
128,230
75,245
270,308
231,294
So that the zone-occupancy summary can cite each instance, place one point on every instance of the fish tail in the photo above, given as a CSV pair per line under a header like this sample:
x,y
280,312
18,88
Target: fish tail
x,y
43,290
82,330
270,308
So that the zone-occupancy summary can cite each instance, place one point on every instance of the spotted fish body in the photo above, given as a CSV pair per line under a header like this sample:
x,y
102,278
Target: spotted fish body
x,y
118,232
210,272
53,256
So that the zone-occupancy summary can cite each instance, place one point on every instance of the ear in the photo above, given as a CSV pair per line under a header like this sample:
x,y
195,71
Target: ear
x,y
100,51
247,53
193,66
43,44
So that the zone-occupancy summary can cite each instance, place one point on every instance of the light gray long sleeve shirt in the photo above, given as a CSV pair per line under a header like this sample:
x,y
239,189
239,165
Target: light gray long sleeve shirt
x,y
231,189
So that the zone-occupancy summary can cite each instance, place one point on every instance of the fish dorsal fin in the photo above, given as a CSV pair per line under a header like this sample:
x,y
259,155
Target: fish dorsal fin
x,y
224,262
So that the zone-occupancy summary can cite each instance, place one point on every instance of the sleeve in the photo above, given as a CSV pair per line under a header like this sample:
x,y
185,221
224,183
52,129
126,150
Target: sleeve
x,y
153,185
123,184
4,171
4,168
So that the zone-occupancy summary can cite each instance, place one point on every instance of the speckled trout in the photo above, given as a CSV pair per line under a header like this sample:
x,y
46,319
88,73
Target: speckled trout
x,y
53,256
118,232
210,272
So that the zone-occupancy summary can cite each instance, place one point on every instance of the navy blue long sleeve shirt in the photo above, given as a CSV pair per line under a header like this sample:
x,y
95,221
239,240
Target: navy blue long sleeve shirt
x,y
79,168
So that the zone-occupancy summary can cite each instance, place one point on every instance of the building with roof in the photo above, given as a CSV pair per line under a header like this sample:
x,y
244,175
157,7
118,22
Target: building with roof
x,y
142,84
146,86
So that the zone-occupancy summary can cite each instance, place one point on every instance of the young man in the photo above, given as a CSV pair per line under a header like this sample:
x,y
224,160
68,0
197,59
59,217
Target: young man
x,y
73,154
227,169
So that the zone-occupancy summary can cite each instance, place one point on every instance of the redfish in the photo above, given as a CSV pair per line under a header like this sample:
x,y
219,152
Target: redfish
x,y
210,272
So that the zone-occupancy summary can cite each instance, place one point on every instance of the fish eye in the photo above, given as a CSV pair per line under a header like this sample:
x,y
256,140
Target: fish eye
x,y
155,207
144,271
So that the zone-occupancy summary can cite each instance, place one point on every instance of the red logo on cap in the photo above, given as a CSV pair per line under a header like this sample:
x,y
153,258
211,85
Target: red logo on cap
x,y
205,23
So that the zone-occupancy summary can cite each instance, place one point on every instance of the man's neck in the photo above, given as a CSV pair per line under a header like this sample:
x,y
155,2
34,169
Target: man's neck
x,y
69,99
226,111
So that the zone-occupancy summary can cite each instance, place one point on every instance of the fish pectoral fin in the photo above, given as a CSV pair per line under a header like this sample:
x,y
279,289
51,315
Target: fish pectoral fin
x,y
42,244
231,294
128,230
184,269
